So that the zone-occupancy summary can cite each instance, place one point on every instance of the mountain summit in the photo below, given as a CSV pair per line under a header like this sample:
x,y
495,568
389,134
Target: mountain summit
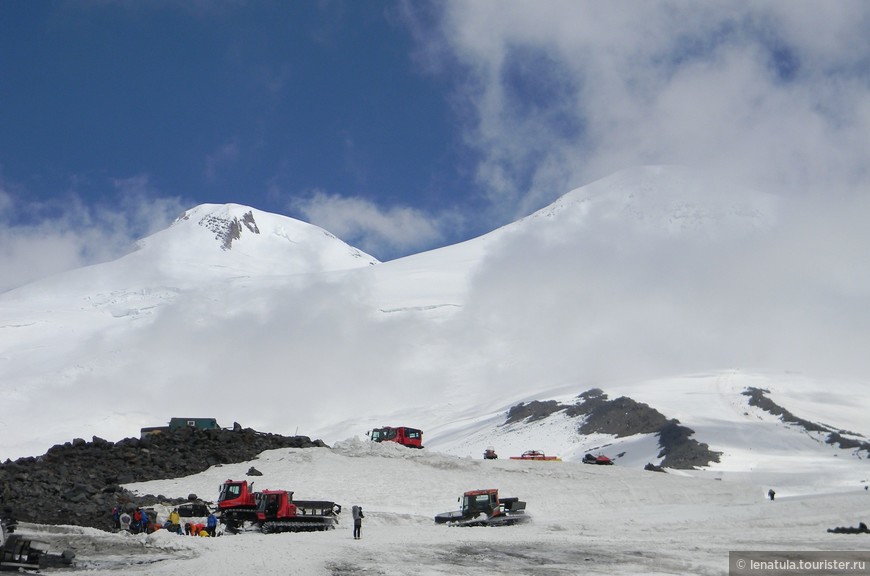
x,y
226,227
238,239
663,201
207,244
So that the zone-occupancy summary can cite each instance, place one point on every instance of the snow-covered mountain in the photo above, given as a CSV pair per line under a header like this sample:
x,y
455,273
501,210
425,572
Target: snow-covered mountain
x,y
655,284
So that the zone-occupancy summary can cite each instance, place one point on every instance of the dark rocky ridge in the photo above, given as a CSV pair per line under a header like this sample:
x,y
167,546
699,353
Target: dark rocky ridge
x,y
79,482
758,399
622,417
228,229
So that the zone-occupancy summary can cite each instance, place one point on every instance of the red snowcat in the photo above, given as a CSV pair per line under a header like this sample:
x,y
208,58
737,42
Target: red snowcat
x,y
272,510
278,512
237,504
410,437
600,459
485,508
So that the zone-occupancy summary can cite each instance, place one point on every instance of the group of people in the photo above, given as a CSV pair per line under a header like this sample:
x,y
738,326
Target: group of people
x,y
136,520
206,529
133,519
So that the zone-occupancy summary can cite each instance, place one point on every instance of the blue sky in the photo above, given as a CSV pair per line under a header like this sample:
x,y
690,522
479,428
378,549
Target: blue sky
x,y
221,103
404,126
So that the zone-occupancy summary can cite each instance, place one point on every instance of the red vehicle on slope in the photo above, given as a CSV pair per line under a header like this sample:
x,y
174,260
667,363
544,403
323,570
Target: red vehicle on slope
x,y
536,455
600,459
410,437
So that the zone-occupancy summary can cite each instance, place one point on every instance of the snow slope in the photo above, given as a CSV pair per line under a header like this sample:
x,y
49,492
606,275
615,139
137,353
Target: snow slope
x,y
586,520
651,283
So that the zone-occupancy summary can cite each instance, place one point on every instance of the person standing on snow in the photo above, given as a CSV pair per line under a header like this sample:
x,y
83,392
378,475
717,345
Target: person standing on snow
x,y
357,522
175,520
124,520
211,525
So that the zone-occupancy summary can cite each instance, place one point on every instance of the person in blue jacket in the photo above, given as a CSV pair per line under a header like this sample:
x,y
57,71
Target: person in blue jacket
x,y
211,524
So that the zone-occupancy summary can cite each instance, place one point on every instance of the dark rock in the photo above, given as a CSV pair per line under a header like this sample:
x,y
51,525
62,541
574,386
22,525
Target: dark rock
x,y
758,399
846,443
533,411
680,450
253,472
622,417
99,442
80,482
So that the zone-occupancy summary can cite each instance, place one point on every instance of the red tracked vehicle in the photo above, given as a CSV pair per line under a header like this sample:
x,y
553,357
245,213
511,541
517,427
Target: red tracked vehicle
x,y
278,512
410,437
600,460
237,504
272,510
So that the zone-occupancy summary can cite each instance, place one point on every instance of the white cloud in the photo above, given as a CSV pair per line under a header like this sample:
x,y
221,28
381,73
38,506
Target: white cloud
x,y
562,93
38,239
360,222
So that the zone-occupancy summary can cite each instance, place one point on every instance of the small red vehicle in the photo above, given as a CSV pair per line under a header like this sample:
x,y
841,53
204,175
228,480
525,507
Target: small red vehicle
x,y
600,459
410,437
536,455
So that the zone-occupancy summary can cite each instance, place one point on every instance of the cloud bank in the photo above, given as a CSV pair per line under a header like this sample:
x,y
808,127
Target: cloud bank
x,y
551,96
548,97
41,238
560,93
370,227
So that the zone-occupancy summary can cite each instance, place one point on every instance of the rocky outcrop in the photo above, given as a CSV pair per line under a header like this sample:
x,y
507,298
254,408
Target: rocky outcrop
x,y
622,417
227,229
758,399
532,411
80,482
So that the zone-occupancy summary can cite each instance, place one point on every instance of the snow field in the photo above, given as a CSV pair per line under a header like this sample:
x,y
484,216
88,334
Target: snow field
x,y
586,519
